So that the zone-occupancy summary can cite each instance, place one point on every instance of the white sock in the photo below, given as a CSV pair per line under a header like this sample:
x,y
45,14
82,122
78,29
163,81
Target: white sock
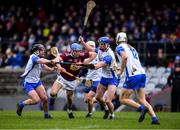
x,y
112,114
69,110
106,108
90,113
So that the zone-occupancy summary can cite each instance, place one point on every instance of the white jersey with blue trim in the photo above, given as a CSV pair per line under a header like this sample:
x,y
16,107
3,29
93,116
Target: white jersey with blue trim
x,y
108,58
32,70
133,65
94,74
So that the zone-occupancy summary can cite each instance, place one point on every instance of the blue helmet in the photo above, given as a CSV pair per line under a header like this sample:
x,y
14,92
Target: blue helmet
x,y
105,40
76,47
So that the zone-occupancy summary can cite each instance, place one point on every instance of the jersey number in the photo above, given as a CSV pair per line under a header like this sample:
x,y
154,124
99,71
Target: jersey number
x,y
134,53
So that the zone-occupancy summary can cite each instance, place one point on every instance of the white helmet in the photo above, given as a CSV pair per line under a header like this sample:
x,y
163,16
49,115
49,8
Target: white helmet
x,y
121,37
91,43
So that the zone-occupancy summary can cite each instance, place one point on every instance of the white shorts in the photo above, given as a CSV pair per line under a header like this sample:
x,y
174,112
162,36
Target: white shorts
x,y
68,85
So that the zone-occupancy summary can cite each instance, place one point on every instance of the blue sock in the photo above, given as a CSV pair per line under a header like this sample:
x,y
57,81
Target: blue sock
x,y
21,104
46,113
141,108
154,118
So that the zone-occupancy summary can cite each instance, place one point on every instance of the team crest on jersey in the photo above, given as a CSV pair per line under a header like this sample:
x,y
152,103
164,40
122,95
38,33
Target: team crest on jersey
x,y
74,67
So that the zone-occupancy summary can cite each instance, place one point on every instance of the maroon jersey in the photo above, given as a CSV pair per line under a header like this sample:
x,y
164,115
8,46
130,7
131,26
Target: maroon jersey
x,y
68,57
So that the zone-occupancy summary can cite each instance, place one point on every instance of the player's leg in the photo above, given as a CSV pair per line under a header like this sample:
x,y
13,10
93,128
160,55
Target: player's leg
x,y
141,95
109,97
70,87
86,91
90,102
69,96
99,97
85,97
33,97
43,96
142,99
53,94
86,100
133,83
125,98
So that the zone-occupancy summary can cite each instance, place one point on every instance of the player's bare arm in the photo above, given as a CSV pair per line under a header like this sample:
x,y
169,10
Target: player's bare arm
x,y
99,65
47,68
124,61
58,66
88,47
92,55
43,61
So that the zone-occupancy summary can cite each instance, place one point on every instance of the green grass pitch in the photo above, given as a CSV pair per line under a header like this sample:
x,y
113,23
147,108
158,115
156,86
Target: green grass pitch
x,y
123,120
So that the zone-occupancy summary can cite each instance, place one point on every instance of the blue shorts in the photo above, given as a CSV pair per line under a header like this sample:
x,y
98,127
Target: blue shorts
x,y
30,86
135,82
109,81
93,87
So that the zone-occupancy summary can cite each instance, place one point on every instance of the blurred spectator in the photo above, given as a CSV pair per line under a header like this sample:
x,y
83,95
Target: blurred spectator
x,y
14,59
31,41
171,63
23,44
161,59
173,46
164,39
21,25
41,14
174,82
46,31
149,60
53,22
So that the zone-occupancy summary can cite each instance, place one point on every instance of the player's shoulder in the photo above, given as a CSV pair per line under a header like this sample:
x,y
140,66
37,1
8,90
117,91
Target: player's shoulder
x,y
33,56
124,46
119,46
